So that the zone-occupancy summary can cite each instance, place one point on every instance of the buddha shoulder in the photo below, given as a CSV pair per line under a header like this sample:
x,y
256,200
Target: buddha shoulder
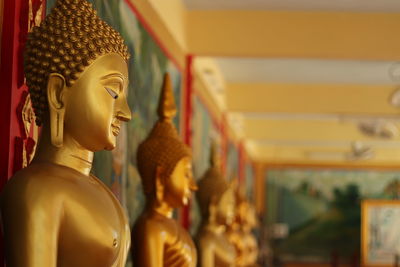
x,y
39,182
152,224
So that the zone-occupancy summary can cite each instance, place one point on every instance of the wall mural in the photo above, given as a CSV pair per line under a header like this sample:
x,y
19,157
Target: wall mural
x,y
321,209
249,180
206,131
147,65
232,161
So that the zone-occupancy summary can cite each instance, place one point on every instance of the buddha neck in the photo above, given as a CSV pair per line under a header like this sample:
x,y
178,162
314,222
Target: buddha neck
x,y
160,207
71,154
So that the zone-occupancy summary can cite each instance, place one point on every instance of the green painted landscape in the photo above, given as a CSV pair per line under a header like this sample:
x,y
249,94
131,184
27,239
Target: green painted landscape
x,y
321,209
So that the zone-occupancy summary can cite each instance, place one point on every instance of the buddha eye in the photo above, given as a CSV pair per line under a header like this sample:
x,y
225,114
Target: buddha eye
x,y
112,93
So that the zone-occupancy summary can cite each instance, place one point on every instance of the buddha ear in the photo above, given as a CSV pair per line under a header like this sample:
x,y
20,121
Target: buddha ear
x,y
159,183
55,99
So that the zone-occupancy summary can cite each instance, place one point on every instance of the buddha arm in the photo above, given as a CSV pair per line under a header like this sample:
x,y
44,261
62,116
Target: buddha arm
x,y
253,249
150,245
206,253
31,222
226,253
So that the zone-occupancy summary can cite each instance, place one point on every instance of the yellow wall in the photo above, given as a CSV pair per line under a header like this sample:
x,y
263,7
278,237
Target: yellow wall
x,y
294,34
311,98
372,36
298,155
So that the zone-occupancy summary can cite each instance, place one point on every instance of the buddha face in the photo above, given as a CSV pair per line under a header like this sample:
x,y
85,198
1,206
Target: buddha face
x,y
179,186
226,208
96,103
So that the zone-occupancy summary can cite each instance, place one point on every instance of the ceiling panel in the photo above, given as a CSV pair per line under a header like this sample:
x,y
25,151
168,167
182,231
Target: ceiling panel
x,y
271,154
266,70
337,5
295,131
311,98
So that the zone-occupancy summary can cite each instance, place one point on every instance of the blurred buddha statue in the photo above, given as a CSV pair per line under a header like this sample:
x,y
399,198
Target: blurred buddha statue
x,y
54,212
239,232
165,168
248,218
244,240
234,231
217,202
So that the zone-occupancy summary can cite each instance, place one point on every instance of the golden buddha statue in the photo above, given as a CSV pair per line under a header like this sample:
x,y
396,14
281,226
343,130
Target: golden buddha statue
x,y
234,231
164,164
54,212
248,219
217,202
240,233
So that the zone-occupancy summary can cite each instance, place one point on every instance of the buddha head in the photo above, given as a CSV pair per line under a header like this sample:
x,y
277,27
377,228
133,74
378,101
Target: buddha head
x,y
216,196
164,161
76,71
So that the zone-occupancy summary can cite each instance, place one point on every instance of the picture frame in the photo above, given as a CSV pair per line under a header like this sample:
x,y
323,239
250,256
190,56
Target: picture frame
x,y
380,233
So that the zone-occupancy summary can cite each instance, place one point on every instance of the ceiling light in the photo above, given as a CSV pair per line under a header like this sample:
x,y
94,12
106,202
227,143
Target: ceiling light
x,y
394,72
394,99
379,129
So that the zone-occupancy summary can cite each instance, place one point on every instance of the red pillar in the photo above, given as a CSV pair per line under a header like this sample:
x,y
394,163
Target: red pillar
x,y
9,77
13,90
187,124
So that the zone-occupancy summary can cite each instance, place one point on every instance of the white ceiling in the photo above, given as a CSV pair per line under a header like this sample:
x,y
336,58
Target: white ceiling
x,y
259,70
330,5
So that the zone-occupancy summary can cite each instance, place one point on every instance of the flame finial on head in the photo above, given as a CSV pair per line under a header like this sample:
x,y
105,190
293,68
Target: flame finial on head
x,y
166,106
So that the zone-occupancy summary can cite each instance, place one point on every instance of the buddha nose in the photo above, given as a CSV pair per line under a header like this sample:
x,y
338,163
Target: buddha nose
x,y
124,112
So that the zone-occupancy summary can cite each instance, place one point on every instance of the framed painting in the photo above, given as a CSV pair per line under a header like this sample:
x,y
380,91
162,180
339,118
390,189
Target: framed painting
x,y
380,233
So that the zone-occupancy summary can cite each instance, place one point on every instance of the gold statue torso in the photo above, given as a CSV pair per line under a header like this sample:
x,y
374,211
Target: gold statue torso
x,y
237,239
216,250
178,247
251,250
77,210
